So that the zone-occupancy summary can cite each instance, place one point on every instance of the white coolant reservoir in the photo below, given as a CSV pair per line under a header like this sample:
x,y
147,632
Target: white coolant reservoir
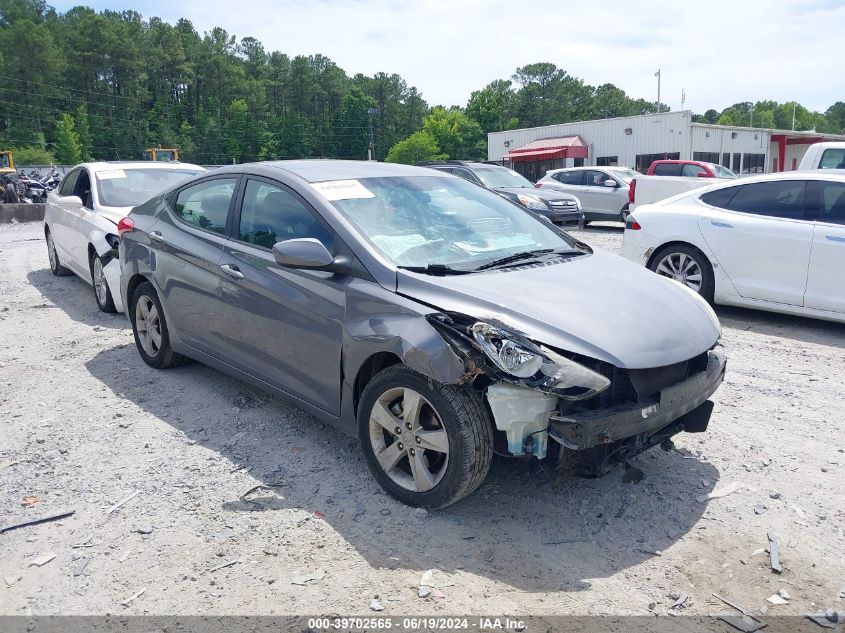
x,y
520,412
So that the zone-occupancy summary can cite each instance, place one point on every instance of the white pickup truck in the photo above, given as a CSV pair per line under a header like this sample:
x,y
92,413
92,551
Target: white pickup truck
x,y
824,156
648,189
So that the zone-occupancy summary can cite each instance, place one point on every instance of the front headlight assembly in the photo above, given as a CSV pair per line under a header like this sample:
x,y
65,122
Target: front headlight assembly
x,y
536,366
532,202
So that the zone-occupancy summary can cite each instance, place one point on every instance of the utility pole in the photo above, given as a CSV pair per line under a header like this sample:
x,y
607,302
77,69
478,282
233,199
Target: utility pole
x,y
683,98
371,146
657,74
793,116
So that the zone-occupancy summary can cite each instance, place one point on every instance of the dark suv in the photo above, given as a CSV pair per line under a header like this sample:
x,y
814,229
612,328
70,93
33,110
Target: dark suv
x,y
560,208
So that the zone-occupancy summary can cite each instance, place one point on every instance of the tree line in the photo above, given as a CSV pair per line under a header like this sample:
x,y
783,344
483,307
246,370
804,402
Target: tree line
x,y
106,85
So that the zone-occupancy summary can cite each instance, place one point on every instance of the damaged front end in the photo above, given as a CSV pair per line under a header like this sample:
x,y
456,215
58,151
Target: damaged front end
x,y
591,409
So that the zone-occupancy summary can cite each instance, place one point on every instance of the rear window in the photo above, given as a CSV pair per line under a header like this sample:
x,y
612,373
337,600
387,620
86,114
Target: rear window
x,y
667,169
720,198
131,187
833,159
777,199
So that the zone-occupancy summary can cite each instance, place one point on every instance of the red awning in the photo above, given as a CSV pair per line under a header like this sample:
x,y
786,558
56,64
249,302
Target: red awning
x,y
549,148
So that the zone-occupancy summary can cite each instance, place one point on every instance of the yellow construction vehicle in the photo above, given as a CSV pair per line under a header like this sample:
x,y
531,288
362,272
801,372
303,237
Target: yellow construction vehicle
x,y
160,154
7,162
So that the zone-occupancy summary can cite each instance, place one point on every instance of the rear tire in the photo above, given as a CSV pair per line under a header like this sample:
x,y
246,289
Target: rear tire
x,y
55,266
102,292
150,329
427,444
673,261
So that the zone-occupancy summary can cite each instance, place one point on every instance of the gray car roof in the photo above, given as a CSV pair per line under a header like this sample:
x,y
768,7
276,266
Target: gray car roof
x,y
321,170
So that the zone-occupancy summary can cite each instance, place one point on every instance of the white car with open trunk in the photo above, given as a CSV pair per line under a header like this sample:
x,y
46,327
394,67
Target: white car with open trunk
x,y
81,216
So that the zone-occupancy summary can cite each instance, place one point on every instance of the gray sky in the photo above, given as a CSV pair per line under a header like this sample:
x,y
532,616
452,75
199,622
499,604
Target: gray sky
x,y
719,52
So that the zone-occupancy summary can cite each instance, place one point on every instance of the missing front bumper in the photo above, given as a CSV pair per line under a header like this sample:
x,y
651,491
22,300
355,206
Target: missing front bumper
x,y
679,405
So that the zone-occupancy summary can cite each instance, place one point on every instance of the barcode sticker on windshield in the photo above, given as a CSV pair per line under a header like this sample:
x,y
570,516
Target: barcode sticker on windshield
x,y
111,173
343,190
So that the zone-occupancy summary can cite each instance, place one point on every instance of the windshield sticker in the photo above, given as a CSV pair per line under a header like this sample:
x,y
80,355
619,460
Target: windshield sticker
x,y
111,173
343,190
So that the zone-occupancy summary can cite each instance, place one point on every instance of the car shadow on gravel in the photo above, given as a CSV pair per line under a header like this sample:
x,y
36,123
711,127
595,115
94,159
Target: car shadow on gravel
x,y
74,297
518,528
773,324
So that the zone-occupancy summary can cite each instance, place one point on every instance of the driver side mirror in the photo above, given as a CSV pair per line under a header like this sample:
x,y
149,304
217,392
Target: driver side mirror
x,y
611,183
71,201
304,252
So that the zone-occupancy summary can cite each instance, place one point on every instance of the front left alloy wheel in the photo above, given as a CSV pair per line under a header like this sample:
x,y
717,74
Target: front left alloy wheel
x,y
102,293
427,444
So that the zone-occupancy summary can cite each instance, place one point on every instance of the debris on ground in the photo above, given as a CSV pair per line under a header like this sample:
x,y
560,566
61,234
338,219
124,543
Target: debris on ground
x,y
42,560
774,556
80,566
436,578
11,580
375,605
303,578
129,600
224,565
777,599
424,591
724,491
122,501
830,619
745,623
775,495
680,601
36,521
29,501
736,606
760,509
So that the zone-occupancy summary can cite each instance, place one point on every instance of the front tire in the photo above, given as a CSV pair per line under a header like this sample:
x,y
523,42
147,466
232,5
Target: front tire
x,y
150,329
102,292
687,265
55,265
427,444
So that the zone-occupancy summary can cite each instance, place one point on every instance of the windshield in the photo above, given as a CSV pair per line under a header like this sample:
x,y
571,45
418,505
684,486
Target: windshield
x,y
624,174
722,172
131,187
435,220
500,177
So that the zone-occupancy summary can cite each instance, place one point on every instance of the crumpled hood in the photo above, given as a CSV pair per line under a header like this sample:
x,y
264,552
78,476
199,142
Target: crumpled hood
x,y
598,305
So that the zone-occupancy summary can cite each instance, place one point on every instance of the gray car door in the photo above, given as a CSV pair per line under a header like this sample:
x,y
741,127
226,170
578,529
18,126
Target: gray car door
x,y
188,241
287,325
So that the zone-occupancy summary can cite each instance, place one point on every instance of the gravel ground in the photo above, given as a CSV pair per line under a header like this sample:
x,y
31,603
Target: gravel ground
x,y
84,425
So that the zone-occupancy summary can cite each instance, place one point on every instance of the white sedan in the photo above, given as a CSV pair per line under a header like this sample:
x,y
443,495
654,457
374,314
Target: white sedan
x,y
774,242
81,216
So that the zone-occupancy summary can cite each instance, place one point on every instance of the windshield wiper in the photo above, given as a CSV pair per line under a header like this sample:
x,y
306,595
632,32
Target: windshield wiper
x,y
438,270
522,255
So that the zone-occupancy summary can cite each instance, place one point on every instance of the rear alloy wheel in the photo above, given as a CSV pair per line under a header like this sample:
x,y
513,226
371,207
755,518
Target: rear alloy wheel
x,y
427,444
102,293
55,266
687,265
150,329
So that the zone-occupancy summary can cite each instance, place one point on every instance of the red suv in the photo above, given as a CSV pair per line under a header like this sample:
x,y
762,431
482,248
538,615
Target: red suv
x,y
689,168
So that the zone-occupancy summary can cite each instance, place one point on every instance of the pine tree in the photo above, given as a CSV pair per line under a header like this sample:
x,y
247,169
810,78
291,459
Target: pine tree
x,y
66,148
83,132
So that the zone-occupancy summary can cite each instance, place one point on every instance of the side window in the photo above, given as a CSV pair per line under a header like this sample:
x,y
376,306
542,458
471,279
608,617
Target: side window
x,y
720,198
667,169
832,202
693,171
833,159
575,178
271,214
595,178
777,199
463,173
66,188
82,188
206,205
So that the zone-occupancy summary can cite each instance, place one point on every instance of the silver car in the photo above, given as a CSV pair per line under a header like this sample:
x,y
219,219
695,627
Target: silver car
x,y
603,191
432,317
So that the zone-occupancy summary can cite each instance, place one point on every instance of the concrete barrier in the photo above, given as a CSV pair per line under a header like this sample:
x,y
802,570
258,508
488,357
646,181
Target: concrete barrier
x,y
21,213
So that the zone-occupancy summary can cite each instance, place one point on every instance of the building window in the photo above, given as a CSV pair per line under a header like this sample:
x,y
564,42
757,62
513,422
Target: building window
x,y
644,161
726,160
607,161
736,163
754,164
578,162
706,157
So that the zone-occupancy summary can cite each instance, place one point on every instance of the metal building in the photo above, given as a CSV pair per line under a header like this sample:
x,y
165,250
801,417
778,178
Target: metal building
x,y
638,140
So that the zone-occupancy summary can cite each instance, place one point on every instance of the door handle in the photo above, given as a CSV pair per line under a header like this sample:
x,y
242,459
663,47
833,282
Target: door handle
x,y
721,225
835,238
156,236
232,271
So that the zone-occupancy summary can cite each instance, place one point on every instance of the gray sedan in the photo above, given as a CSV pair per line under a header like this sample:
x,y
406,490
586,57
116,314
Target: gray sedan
x,y
435,319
